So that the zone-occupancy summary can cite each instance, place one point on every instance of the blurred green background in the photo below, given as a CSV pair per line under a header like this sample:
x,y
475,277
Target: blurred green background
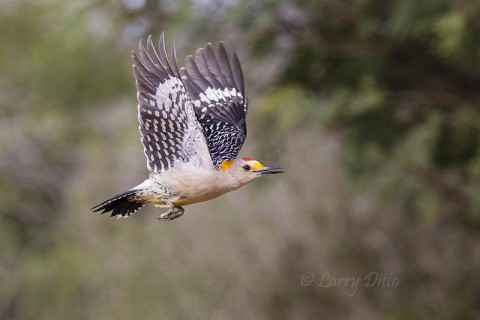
x,y
373,107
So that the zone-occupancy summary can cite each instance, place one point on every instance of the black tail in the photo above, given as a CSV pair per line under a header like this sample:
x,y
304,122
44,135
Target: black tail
x,y
123,204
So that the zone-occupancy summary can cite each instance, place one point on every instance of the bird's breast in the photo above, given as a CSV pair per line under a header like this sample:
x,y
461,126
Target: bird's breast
x,y
190,185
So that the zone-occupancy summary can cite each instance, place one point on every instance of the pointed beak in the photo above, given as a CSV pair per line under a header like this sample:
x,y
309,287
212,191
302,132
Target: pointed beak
x,y
270,170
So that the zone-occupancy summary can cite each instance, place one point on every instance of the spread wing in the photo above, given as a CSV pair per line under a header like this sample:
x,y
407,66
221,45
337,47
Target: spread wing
x,y
168,124
216,86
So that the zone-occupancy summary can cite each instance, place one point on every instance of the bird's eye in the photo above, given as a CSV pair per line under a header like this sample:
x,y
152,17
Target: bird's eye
x,y
246,167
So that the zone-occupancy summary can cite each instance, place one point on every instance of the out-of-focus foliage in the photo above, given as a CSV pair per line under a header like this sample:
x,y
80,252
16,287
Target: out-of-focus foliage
x,y
373,107
400,80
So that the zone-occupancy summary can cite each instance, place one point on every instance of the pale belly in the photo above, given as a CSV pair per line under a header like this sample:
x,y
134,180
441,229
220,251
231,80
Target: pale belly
x,y
186,200
191,186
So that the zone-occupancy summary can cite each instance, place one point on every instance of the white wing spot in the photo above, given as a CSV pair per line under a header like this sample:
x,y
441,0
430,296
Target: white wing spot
x,y
204,98
211,94
166,88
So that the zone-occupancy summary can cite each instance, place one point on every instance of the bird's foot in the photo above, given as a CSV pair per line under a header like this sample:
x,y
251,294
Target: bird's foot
x,y
173,213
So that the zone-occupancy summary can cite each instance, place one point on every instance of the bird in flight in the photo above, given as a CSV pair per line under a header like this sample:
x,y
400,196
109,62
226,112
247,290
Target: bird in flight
x,y
192,127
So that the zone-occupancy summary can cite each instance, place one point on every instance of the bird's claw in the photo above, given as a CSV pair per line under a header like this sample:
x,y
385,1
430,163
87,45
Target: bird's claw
x,y
173,213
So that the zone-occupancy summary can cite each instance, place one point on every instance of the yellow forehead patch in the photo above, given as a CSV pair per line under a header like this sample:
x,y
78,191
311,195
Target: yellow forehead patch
x,y
257,166
226,165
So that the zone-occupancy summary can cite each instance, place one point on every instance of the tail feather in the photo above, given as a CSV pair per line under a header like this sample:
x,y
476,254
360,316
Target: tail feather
x,y
122,205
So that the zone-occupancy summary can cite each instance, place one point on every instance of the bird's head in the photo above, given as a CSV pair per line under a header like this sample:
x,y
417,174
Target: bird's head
x,y
246,170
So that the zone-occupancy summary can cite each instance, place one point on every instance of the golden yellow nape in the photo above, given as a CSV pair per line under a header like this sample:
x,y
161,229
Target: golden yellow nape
x,y
227,164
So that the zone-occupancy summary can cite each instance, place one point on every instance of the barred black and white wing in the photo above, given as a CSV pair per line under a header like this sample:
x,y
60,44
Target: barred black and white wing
x,y
168,124
216,86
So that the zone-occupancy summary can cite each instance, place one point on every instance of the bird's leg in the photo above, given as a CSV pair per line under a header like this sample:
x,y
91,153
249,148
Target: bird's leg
x,y
173,212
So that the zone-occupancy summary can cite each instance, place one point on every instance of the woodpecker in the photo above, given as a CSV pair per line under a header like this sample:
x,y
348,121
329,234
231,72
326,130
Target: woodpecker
x,y
192,127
